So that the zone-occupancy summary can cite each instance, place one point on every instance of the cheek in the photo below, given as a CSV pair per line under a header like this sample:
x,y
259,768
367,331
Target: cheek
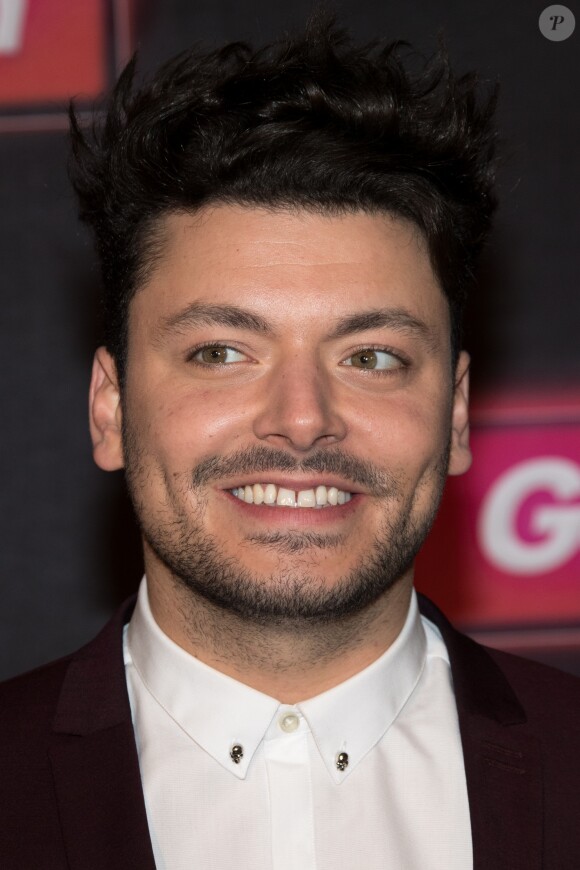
x,y
408,432
221,420
186,427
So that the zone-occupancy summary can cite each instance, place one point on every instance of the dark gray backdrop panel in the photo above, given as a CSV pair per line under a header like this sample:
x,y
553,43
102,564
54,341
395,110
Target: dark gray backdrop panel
x,y
68,550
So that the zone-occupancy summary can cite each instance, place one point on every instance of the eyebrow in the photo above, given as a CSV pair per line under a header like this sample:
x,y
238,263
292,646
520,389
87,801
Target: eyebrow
x,y
206,314
394,318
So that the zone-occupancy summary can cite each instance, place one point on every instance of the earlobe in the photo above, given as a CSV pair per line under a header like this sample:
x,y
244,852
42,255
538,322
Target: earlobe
x,y
460,455
105,414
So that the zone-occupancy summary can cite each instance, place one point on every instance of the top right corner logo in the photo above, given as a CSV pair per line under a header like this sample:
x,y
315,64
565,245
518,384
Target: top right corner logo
x,y
557,23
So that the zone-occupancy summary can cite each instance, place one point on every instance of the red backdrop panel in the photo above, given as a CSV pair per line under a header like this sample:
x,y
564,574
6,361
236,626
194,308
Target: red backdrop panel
x,y
51,49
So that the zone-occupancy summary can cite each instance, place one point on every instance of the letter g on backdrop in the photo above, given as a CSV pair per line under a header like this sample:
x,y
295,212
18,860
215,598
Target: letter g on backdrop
x,y
530,518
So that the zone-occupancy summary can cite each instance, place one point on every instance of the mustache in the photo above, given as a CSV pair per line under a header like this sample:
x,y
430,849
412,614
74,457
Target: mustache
x,y
260,459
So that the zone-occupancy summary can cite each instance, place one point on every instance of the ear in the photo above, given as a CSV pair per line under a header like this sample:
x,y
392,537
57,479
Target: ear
x,y
460,456
105,415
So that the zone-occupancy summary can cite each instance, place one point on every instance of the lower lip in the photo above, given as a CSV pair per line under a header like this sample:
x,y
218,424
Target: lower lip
x,y
289,516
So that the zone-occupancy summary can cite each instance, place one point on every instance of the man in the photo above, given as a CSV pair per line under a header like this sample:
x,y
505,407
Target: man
x,y
286,238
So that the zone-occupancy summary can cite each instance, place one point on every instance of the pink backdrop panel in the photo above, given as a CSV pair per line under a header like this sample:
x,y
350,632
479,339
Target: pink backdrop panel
x,y
505,549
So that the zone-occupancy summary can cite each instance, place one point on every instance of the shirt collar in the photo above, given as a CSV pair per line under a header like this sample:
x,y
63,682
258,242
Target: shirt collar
x,y
353,716
218,712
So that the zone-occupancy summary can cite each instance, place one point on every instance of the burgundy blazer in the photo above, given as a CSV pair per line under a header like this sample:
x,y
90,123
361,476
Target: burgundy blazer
x,y
70,789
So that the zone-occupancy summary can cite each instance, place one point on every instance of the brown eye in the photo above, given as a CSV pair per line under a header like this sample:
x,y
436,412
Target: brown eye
x,y
217,355
371,359
364,359
213,354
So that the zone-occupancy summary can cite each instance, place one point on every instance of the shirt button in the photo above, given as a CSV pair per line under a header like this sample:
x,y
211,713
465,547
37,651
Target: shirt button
x,y
289,722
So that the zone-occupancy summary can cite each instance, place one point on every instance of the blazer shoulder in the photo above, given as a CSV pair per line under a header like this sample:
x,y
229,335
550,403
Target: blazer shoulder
x,y
28,702
69,762
545,692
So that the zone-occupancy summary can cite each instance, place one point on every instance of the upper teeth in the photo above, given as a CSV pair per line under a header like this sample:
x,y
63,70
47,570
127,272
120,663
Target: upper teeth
x,y
269,493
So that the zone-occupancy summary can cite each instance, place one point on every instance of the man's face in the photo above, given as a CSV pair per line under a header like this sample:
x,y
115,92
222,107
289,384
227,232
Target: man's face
x,y
277,359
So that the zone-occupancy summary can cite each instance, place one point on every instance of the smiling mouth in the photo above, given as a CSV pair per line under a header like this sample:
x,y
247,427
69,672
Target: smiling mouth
x,y
277,496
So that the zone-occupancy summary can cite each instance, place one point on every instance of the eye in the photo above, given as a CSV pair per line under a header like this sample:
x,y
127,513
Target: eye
x,y
372,359
217,355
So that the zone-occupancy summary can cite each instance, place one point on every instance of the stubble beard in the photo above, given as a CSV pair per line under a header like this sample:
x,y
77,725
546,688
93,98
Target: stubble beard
x,y
294,596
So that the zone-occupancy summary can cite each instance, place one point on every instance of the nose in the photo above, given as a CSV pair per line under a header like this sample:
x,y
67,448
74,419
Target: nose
x,y
300,408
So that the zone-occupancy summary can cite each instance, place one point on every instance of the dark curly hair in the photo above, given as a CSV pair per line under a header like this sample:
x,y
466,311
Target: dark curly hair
x,y
314,122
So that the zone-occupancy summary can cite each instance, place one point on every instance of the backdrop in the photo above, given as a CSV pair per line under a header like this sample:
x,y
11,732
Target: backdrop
x,y
504,558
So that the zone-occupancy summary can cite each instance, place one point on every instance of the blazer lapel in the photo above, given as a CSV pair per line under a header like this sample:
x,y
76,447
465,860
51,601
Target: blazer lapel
x,y
502,767
502,758
95,762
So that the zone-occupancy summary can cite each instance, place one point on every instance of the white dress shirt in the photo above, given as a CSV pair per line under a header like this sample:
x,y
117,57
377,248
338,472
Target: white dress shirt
x,y
398,803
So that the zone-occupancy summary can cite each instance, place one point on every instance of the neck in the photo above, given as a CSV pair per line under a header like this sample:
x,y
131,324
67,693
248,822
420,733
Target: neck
x,y
290,662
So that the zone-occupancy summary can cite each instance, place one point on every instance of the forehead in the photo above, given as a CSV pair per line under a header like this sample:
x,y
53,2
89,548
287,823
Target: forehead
x,y
290,262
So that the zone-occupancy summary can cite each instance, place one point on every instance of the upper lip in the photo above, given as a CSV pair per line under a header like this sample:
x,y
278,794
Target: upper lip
x,y
297,484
